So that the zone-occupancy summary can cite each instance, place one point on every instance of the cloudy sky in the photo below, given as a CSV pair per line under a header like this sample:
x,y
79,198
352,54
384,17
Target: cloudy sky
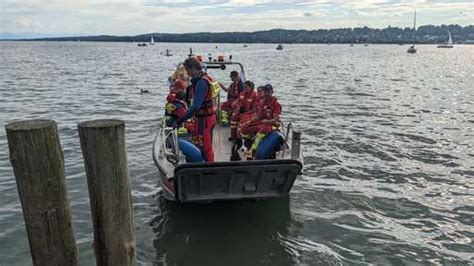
x,y
131,17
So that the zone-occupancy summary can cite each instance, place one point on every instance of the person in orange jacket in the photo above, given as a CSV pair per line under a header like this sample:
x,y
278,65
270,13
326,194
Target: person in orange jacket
x,y
202,108
176,106
233,92
245,103
265,119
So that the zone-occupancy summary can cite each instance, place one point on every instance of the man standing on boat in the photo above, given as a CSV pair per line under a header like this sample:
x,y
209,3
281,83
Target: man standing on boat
x,y
202,108
233,92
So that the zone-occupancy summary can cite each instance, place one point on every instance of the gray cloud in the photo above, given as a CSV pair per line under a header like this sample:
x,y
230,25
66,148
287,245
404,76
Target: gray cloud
x,y
139,16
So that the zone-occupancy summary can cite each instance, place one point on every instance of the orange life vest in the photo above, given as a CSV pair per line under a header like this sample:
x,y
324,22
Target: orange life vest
x,y
246,101
234,90
207,107
269,109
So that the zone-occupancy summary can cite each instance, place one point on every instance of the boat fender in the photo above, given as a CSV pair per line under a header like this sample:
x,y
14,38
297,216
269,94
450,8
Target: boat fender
x,y
270,144
190,151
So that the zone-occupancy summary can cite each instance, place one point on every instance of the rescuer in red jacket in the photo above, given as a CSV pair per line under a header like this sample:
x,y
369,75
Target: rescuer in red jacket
x,y
202,108
245,103
265,119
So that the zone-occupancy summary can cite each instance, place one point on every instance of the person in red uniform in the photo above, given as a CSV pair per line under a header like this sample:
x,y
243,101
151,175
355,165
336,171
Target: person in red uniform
x,y
245,103
202,108
233,91
176,105
267,116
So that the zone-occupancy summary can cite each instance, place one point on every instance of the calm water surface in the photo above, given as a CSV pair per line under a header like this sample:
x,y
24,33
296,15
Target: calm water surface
x,y
387,137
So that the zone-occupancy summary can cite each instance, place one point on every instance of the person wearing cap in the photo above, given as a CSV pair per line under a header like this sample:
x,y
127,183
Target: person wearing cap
x,y
202,108
266,119
233,92
245,103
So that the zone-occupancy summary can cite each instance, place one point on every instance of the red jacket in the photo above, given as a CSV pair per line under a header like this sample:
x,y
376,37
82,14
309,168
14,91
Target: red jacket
x,y
235,89
269,109
175,107
246,101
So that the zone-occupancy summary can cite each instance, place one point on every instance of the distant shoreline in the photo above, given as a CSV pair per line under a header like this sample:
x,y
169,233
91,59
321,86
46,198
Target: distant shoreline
x,y
216,43
427,34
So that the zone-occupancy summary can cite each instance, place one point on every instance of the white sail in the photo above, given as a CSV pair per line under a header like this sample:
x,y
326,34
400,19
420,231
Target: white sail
x,y
152,40
450,41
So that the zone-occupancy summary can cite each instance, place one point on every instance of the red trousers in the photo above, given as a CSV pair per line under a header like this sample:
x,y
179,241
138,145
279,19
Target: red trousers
x,y
202,135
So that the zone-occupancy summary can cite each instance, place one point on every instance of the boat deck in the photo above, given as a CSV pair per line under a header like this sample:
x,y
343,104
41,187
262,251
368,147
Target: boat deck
x,y
221,144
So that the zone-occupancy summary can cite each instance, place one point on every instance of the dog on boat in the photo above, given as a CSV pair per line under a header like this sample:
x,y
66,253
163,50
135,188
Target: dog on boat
x,y
240,149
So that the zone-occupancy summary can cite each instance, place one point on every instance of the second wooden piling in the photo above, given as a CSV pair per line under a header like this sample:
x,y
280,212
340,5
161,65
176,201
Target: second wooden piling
x,y
105,157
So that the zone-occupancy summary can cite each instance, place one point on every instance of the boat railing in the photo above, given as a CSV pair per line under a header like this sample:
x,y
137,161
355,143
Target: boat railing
x,y
294,147
170,134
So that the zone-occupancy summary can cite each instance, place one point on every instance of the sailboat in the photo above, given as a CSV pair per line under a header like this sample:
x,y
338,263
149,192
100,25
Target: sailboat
x,y
280,46
152,41
412,49
449,44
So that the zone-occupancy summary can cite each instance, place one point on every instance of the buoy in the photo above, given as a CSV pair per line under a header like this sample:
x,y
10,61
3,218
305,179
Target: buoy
x,y
270,144
192,153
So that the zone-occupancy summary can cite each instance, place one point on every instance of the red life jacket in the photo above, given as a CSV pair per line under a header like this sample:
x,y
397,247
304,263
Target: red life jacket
x,y
269,109
234,90
172,108
247,100
171,98
207,106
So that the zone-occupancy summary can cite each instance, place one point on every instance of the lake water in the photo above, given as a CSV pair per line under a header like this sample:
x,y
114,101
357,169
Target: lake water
x,y
387,138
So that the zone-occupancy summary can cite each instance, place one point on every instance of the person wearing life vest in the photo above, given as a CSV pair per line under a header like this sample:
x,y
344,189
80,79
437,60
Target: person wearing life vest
x,y
233,92
245,103
202,108
266,118
176,107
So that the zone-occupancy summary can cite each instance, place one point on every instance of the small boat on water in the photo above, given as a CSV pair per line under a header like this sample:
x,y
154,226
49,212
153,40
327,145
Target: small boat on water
x,y
168,53
152,41
141,44
449,44
412,49
185,177
279,47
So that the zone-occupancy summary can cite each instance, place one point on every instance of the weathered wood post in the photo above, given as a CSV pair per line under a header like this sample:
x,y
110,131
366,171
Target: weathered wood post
x,y
38,165
105,158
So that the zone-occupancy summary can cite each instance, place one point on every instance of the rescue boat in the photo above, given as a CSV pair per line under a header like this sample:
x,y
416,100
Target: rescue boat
x,y
185,177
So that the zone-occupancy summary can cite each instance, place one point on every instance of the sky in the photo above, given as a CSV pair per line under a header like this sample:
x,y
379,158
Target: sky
x,y
120,17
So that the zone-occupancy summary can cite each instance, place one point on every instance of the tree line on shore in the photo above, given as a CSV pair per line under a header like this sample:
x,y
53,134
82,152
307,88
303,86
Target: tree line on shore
x,y
428,34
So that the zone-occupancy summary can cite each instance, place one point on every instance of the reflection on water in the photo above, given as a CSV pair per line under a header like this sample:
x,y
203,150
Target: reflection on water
x,y
388,140
224,233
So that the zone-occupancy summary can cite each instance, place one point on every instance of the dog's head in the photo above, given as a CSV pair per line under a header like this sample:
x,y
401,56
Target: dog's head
x,y
241,149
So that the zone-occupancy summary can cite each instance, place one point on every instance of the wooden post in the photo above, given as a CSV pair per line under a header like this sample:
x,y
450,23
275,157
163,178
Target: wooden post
x,y
105,158
38,165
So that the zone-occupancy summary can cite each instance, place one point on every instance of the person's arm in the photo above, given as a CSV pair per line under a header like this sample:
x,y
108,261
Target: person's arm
x,y
224,87
201,91
276,111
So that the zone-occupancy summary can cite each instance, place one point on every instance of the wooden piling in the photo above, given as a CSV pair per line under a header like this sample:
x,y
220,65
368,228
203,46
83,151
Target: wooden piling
x,y
38,165
104,150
